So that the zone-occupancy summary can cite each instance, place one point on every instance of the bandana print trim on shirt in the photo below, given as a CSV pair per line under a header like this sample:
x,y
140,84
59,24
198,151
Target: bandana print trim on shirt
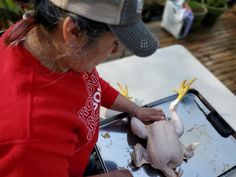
x,y
90,112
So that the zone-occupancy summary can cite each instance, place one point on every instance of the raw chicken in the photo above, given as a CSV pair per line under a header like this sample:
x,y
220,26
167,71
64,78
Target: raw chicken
x,y
164,150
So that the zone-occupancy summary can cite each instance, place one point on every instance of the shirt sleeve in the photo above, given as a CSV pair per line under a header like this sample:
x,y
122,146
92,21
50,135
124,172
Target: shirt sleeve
x,y
109,94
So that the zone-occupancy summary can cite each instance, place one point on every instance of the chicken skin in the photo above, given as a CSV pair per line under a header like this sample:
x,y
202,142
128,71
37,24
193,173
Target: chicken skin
x,y
164,150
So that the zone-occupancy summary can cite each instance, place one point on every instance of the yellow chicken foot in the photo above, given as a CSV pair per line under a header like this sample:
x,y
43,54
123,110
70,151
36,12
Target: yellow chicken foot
x,y
124,91
184,88
182,91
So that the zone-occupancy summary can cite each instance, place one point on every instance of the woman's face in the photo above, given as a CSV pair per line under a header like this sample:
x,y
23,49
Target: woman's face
x,y
83,58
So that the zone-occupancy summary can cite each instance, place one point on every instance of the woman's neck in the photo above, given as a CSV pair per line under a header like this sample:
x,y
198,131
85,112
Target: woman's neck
x,y
41,45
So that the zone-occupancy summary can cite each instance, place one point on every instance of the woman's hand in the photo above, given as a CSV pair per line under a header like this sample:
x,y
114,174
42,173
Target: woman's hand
x,y
116,173
145,114
149,114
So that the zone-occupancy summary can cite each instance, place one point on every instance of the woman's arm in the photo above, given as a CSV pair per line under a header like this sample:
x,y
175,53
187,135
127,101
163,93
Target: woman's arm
x,y
112,99
145,114
116,173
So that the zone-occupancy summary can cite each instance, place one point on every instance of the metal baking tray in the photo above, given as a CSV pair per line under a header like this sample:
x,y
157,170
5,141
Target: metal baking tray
x,y
214,157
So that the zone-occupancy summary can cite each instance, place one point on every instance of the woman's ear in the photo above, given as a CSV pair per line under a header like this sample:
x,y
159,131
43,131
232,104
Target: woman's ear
x,y
115,48
70,31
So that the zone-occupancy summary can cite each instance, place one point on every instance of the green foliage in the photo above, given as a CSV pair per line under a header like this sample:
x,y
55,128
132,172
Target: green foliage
x,y
10,12
214,3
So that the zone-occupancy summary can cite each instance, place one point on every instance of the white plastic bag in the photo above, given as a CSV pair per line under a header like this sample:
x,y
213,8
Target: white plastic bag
x,y
177,19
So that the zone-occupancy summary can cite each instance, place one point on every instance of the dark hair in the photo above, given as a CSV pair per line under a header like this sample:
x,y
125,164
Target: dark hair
x,y
48,15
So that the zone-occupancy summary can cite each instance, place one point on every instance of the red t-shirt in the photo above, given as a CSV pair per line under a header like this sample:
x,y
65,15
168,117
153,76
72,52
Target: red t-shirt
x,y
48,121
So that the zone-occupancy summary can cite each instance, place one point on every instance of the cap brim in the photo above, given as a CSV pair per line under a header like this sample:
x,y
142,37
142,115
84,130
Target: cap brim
x,y
137,38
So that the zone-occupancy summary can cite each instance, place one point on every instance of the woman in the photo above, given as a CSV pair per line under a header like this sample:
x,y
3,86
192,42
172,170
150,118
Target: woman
x,y
50,90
